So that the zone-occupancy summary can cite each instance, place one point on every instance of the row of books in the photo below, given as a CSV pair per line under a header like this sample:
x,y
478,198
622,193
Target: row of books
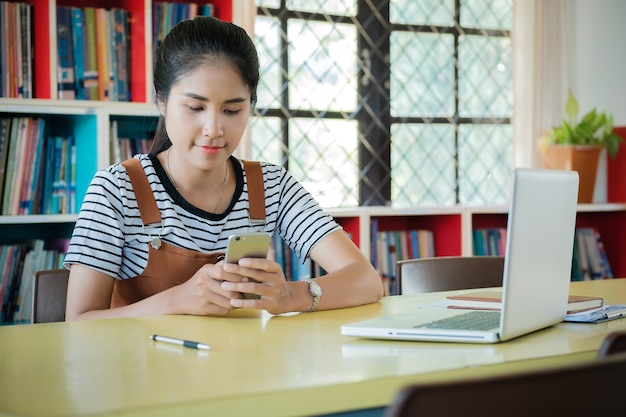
x,y
389,247
18,263
16,65
93,53
489,241
167,14
123,148
292,267
37,173
590,261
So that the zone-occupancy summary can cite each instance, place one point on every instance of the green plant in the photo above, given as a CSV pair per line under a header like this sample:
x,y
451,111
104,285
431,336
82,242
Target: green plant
x,y
595,128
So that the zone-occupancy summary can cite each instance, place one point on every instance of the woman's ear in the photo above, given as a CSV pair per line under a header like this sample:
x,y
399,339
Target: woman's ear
x,y
160,102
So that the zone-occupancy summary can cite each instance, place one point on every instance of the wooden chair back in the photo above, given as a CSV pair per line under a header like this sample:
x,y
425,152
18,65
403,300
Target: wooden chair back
x,y
613,343
581,390
49,295
416,276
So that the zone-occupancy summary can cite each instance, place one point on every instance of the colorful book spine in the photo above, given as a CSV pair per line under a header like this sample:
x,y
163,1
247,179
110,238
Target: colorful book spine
x,y
26,89
91,47
78,48
608,271
65,54
20,164
5,136
121,51
103,53
10,167
48,177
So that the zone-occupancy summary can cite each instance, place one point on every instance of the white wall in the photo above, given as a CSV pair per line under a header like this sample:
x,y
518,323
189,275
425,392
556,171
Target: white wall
x,y
598,70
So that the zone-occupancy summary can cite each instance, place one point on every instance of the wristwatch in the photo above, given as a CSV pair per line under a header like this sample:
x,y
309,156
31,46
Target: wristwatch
x,y
316,291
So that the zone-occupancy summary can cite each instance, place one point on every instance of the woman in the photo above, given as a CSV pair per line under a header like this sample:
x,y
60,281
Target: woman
x,y
150,231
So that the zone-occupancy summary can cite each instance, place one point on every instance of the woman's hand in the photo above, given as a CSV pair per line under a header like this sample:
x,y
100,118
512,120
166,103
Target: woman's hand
x,y
203,294
269,285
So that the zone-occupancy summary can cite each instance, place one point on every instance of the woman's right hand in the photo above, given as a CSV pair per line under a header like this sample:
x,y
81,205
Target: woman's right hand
x,y
202,294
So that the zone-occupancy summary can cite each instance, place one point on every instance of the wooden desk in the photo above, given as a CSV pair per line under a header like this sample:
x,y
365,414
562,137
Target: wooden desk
x,y
259,365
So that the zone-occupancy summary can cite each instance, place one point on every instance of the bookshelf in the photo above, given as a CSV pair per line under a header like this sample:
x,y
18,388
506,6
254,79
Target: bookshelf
x,y
45,41
88,122
452,226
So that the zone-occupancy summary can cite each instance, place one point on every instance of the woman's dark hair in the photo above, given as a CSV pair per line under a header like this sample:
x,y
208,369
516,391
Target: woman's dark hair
x,y
195,42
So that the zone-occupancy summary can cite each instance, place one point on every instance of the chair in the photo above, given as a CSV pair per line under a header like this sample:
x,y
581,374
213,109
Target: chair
x,y
613,343
49,295
589,389
446,273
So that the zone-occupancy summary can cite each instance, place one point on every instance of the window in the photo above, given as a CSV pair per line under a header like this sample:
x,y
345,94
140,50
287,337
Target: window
x,y
402,102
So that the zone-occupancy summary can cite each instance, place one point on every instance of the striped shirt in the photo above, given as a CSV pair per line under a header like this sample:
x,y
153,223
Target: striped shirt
x,y
110,237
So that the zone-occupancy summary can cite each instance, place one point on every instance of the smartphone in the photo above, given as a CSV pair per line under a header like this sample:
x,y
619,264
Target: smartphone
x,y
247,245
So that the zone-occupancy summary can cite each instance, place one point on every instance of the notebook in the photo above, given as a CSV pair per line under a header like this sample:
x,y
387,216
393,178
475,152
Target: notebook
x,y
537,269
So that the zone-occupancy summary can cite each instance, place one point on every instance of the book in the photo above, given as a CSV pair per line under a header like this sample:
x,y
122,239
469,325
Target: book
x,y
91,77
5,135
608,272
65,54
492,300
120,51
27,58
103,53
78,39
10,165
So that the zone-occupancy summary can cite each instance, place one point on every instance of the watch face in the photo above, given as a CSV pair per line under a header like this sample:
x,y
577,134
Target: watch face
x,y
315,288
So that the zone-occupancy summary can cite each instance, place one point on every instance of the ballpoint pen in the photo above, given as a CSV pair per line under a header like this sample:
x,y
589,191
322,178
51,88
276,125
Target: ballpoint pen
x,y
180,342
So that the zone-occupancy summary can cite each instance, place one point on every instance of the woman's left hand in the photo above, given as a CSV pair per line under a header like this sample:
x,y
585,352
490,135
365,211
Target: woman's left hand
x,y
269,284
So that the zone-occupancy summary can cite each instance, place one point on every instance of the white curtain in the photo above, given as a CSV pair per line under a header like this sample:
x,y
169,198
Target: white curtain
x,y
541,75
244,12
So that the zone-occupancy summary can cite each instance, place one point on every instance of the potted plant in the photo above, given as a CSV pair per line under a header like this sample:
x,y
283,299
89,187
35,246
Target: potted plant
x,y
576,145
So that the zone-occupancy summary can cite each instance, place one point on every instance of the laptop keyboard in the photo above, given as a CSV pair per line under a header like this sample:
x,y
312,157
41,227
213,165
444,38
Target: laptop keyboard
x,y
474,320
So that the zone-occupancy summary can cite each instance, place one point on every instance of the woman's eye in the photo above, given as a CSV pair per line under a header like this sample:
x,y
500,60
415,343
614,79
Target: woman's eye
x,y
228,111
194,108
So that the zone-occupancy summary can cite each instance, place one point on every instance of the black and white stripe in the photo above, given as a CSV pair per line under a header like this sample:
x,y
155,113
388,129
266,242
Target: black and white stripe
x,y
110,237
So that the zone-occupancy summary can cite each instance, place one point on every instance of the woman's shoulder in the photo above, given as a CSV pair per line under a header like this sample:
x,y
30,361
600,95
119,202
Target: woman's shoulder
x,y
119,168
271,171
266,166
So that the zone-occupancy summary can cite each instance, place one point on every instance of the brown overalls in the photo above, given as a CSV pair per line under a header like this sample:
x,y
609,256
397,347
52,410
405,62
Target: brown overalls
x,y
169,265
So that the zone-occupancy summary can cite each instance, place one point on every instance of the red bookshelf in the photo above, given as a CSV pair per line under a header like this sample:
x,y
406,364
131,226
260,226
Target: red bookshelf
x,y
612,228
44,26
489,220
445,227
351,225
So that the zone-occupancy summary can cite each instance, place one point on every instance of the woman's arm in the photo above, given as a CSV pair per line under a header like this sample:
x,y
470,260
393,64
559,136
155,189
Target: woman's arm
x,y
351,280
89,296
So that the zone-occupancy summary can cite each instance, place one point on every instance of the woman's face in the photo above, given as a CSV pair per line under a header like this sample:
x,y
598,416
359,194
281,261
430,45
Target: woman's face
x,y
206,114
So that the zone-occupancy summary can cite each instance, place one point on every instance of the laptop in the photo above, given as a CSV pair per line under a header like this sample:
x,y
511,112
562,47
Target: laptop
x,y
537,270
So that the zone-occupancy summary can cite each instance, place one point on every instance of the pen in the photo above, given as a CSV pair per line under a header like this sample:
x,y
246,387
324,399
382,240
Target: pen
x,y
180,342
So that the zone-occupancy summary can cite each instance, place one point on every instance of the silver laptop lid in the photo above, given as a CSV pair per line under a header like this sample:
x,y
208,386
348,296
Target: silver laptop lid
x,y
538,259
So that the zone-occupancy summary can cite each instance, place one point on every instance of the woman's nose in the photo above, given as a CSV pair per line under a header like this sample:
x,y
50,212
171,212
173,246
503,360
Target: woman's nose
x,y
212,128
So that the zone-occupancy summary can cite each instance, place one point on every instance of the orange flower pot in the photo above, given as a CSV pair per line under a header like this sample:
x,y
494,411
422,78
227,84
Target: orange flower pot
x,y
581,158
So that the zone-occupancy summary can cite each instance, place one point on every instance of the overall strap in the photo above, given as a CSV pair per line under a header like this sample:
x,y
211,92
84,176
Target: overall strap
x,y
148,208
256,191
150,213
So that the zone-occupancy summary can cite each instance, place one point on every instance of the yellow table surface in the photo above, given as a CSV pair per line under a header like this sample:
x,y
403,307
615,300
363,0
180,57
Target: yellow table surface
x,y
259,364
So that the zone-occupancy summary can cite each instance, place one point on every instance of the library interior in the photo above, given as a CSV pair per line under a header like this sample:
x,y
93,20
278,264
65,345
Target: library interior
x,y
403,119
